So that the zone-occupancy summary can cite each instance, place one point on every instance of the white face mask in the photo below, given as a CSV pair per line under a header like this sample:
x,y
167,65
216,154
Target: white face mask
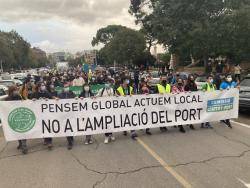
x,y
229,79
15,93
66,89
43,88
86,88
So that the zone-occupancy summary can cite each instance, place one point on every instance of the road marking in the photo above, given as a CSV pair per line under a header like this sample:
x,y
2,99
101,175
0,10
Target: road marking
x,y
179,178
241,124
246,184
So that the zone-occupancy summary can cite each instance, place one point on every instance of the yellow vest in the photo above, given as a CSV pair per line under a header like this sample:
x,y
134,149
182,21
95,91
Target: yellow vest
x,y
210,88
163,90
121,92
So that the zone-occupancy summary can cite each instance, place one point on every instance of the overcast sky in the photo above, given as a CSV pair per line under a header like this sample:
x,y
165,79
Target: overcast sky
x,y
69,25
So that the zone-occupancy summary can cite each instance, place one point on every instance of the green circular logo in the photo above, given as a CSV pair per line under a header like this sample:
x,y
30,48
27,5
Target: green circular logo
x,y
21,120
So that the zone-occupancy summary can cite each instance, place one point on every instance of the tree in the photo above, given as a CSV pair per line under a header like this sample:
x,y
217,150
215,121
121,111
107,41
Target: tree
x,y
16,53
104,35
124,45
198,28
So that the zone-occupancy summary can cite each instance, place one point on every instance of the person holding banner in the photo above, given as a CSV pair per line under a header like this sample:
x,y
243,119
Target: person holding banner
x,y
228,83
163,88
40,94
107,91
176,89
86,93
66,94
191,87
14,95
124,90
209,86
144,90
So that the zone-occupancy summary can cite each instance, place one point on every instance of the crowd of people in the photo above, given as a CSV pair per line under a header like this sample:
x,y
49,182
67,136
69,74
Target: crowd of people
x,y
120,83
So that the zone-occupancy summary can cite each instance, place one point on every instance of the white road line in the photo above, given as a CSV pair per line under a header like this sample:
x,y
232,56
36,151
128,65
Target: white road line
x,y
241,124
246,184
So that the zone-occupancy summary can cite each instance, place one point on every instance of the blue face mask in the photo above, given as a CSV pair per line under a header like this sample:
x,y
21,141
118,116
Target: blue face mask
x,y
128,82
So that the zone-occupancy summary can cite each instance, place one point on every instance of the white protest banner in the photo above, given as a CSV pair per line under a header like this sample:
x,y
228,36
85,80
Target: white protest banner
x,y
52,118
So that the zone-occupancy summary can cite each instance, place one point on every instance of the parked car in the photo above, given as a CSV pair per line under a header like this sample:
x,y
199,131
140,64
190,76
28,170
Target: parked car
x,y
244,102
4,88
200,81
3,94
9,83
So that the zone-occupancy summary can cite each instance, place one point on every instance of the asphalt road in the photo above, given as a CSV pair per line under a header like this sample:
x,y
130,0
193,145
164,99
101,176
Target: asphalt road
x,y
200,158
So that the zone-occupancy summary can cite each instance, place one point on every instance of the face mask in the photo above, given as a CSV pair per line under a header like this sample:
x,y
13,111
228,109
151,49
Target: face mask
x,y
66,89
15,93
43,88
211,81
52,87
128,82
229,79
86,88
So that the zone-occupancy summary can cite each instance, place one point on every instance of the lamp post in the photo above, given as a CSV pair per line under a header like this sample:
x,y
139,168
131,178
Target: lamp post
x,y
1,62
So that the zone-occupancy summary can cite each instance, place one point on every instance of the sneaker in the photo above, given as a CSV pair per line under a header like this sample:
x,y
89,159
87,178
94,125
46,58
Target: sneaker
x,y
86,142
134,136
191,127
112,138
163,129
70,146
202,126
19,147
181,129
91,141
106,141
148,133
50,146
125,133
228,123
24,150
209,126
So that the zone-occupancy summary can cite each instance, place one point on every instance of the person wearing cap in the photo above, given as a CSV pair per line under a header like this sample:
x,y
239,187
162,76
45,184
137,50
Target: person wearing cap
x,y
126,90
163,88
209,86
228,83
107,91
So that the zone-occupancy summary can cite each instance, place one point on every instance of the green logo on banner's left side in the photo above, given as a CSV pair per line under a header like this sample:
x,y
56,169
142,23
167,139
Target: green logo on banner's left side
x,y
21,120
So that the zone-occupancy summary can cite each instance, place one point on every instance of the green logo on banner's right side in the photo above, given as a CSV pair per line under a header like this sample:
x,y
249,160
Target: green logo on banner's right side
x,y
21,120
